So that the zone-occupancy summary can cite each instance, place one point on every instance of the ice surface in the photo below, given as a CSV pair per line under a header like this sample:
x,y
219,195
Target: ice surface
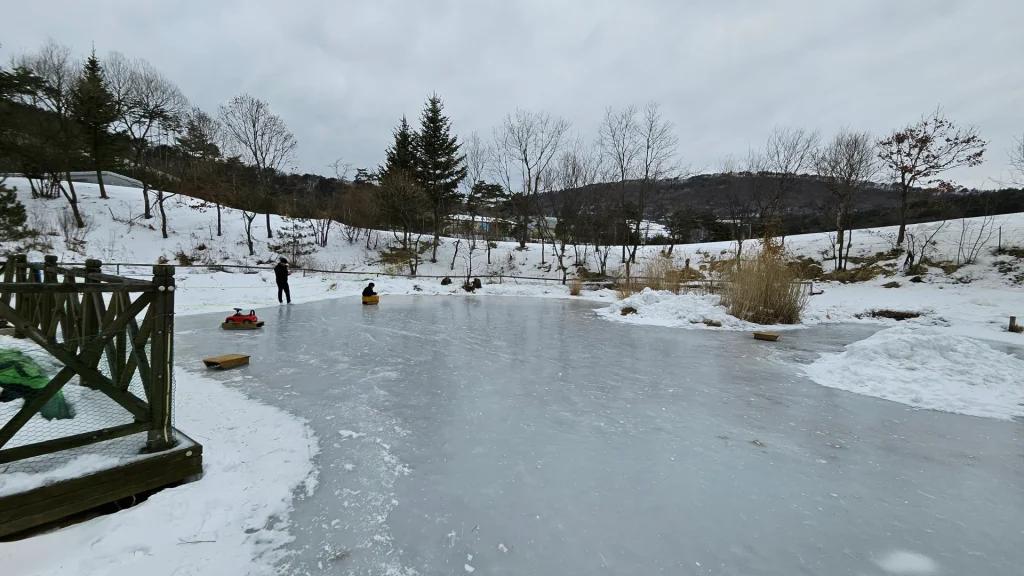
x,y
541,439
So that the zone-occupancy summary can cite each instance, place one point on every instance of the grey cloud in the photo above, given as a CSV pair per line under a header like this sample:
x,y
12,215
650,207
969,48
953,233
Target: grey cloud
x,y
342,73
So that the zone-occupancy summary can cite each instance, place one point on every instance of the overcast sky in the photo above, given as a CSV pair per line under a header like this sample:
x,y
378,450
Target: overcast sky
x,y
341,73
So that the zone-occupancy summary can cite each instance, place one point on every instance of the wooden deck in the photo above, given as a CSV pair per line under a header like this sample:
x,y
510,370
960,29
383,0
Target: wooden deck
x,y
58,501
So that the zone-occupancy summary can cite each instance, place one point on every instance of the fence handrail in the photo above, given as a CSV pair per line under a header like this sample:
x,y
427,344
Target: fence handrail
x,y
80,328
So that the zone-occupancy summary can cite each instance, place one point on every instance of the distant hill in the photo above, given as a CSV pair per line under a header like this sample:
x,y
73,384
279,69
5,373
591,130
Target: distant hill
x,y
806,206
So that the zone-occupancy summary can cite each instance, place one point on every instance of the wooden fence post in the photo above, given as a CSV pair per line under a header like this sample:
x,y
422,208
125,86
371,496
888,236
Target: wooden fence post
x,y
161,436
20,274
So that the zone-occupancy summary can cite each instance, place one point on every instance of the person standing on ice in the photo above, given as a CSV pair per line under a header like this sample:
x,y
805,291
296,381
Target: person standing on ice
x,y
281,273
368,291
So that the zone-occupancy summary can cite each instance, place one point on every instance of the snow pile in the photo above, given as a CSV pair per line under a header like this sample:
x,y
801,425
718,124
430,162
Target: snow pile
x,y
232,521
660,308
927,368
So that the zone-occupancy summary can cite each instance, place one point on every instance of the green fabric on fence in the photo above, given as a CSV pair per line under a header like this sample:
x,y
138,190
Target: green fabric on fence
x,y
21,377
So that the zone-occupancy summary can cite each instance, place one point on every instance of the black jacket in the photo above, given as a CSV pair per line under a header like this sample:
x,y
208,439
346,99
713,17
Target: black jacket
x,y
281,273
368,291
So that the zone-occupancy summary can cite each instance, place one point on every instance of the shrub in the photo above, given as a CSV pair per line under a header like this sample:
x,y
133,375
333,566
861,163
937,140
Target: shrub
x,y
625,288
183,258
862,274
763,291
1015,251
12,214
575,287
806,268
897,315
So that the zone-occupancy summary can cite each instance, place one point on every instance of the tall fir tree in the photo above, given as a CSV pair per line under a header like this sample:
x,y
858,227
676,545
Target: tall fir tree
x,y
440,167
399,196
93,107
400,157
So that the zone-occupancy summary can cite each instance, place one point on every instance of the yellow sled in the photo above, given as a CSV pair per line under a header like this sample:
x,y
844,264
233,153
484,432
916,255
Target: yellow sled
x,y
371,300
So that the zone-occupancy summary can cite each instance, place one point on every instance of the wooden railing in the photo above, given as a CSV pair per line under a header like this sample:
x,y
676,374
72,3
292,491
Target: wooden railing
x,y
98,327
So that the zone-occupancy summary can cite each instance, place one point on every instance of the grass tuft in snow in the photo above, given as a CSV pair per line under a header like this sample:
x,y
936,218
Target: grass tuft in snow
x,y
575,287
763,291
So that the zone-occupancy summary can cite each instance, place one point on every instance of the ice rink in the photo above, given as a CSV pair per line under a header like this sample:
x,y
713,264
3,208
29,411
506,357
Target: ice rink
x,y
527,436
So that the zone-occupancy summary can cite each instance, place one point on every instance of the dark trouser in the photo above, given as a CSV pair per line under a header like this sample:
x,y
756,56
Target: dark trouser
x,y
282,288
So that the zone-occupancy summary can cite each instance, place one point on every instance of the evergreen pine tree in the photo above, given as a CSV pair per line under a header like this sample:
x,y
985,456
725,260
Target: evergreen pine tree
x,y
93,107
440,168
296,242
12,214
400,157
400,199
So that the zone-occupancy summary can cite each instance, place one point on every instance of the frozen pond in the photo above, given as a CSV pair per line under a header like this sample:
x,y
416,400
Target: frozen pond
x,y
526,436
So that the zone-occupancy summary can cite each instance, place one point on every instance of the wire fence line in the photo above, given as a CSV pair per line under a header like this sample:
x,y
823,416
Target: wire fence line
x,y
605,281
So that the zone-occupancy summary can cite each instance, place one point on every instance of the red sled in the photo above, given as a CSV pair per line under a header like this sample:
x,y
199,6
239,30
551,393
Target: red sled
x,y
242,321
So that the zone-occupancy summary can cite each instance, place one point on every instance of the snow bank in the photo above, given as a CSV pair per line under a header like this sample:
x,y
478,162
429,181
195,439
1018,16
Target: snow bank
x,y
232,521
927,368
660,308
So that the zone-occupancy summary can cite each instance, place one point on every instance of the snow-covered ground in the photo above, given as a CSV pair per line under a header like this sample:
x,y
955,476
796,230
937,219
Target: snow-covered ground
x,y
236,518
234,521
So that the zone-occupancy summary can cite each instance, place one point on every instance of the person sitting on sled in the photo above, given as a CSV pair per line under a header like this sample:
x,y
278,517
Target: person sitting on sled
x,y
368,291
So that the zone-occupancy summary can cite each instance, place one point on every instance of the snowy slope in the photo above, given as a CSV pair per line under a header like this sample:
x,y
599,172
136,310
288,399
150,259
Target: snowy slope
x,y
974,301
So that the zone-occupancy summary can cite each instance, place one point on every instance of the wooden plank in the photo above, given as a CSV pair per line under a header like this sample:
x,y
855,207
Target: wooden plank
x,y
149,465
69,442
226,361
77,501
767,336
67,287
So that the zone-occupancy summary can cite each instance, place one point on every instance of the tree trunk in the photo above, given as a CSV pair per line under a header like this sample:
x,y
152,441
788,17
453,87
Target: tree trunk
x,y
248,233
99,180
840,237
163,214
148,212
270,232
72,198
901,236
73,201
218,219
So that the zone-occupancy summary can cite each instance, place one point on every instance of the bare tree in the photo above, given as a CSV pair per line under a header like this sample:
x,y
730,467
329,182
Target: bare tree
x,y
977,232
739,203
524,147
620,147
846,164
788,153
58,71
150,107
1017,161
261,138
918,153
658,162
575,170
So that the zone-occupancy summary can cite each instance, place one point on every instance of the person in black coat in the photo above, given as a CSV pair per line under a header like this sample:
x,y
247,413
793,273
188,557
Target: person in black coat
x,y
368,291
281,273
